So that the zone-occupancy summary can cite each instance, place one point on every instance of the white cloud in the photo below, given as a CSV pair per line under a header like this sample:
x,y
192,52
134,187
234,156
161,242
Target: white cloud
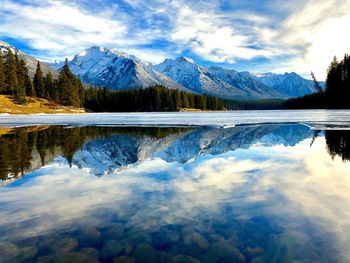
x,y
62,29
303,41
300,37
218,37
314,34
57,25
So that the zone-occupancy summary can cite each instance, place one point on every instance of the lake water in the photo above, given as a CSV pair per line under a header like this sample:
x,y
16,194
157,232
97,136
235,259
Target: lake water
x,y
277,192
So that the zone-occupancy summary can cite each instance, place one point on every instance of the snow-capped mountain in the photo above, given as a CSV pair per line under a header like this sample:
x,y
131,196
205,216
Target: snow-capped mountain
x,y
244,81
290,84
116,70
31,62
117,152
215,80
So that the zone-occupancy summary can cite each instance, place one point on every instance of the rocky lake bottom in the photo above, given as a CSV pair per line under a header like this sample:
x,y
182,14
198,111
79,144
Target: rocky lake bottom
x,y
251,193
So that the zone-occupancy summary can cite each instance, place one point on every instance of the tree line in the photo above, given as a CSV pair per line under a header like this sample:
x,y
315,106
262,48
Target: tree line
x,y
155,98
15,80
337,93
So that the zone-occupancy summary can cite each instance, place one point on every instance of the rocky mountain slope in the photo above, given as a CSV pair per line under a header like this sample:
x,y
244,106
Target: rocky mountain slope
x,y
215,80
31,62
290,84
117,70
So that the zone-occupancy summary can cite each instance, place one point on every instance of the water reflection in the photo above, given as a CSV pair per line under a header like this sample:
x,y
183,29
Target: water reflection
x,y
28,148
245,194
338,143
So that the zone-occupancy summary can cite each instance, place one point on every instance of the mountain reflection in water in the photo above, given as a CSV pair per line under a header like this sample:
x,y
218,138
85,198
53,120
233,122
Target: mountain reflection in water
x,y
261,193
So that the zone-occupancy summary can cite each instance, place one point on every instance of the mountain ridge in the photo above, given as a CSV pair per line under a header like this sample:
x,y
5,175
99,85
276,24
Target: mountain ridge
x,y
104,67
291,84
117,70
30,61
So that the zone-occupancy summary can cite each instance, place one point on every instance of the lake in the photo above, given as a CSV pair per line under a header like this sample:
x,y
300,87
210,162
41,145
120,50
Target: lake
x,y
249,186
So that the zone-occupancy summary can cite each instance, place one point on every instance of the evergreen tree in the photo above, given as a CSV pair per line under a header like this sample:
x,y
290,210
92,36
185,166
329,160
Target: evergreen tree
x,y
2,75
184,98
55,91
68,94
177,100
10,72
337,89
49,86
80,91
29,87
38,82
19,93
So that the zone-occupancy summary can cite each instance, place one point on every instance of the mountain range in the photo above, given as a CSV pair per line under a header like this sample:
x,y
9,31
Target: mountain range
x,y
214,80
290,84
103,67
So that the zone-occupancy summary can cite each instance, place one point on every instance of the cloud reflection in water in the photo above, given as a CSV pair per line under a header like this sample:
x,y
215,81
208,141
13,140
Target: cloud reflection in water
x,y
293,196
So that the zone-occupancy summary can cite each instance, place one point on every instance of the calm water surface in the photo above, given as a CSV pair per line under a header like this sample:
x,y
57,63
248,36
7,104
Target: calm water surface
x,y
255,193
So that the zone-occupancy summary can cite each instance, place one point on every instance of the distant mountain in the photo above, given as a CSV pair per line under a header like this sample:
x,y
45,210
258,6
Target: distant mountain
x,y
31,62
290,84
116,70
215,80
244,81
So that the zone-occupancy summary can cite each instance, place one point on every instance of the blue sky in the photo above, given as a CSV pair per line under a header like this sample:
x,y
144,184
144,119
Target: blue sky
x,y
254,35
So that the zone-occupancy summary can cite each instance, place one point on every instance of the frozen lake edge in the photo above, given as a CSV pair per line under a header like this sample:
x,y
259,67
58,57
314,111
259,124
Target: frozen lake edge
x,y
332,119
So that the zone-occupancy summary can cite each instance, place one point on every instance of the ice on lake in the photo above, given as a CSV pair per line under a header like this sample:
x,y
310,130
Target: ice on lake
x,y
211,119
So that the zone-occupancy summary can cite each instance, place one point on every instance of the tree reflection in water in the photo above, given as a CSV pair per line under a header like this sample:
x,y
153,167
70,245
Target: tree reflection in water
x,y
28,148
22,148
338,143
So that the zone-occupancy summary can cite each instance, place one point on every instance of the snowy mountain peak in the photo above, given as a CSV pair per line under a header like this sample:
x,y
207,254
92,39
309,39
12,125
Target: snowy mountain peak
x,y
214,81
97,52
117,70
290,84
5,47
4,44
185,59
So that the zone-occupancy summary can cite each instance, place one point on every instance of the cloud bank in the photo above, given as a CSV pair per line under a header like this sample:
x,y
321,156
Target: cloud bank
x,y
254,35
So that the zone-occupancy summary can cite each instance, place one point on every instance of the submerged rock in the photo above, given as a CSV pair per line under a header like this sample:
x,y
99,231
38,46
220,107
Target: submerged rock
x,y
126,249
123,259
58,246
194,243
111,249
184,259
26,253
223,252
89,237
136,238
165,238
76,257
114,232
90,251
145,253
255,252
8,251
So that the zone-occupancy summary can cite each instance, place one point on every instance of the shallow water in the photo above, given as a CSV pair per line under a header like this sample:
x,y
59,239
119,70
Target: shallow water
x,y
253,193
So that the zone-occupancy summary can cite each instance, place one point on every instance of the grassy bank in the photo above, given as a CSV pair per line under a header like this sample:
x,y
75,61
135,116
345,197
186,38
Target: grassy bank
x,y
34,106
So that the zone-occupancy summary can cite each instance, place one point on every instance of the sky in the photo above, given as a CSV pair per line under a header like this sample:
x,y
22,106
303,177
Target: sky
x,y
255,35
